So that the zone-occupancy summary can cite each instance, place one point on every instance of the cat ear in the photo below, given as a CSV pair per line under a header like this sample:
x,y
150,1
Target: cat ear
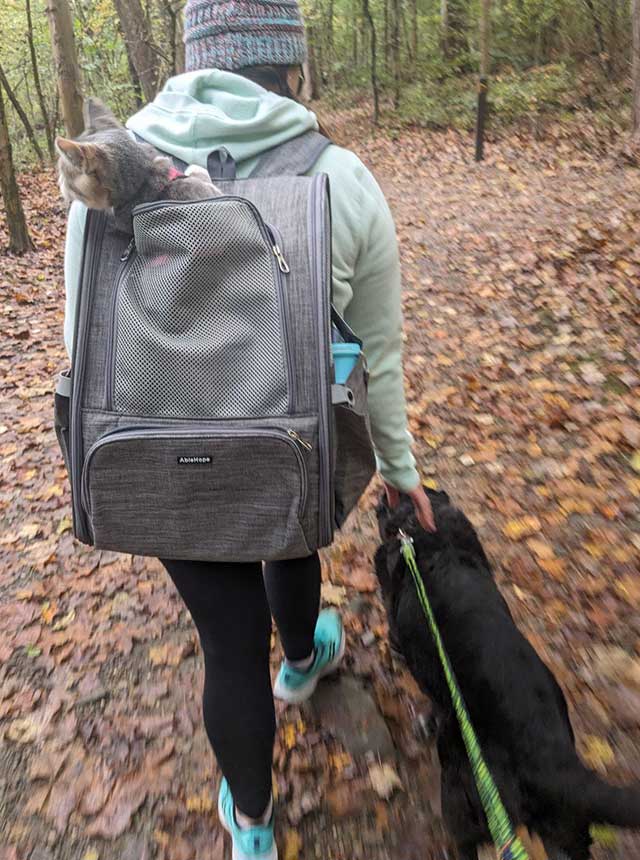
x,y
70,150
97,116
83,156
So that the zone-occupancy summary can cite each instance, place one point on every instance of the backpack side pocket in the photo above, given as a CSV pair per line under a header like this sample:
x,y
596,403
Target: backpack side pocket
x,y
355,460
61,411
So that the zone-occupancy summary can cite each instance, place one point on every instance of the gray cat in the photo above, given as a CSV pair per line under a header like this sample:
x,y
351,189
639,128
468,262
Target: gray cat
x,y
105,168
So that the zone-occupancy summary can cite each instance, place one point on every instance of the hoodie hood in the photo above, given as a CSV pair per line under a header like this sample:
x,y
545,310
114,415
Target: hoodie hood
x,y
200,111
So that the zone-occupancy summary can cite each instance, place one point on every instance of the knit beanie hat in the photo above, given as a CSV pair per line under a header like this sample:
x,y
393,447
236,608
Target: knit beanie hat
x,y
233,34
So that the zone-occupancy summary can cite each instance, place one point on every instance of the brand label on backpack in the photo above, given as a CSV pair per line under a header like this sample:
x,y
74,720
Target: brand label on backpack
x,y
194,461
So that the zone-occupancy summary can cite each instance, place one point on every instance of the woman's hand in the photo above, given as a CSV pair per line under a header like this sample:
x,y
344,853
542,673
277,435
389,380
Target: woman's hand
x,y
421,503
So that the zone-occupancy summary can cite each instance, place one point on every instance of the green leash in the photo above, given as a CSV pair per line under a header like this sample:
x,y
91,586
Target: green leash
x,y
508,845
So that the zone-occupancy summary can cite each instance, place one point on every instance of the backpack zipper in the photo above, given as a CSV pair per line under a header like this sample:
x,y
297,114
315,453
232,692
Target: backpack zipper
x,y
320,274
126,261
280,270
93,239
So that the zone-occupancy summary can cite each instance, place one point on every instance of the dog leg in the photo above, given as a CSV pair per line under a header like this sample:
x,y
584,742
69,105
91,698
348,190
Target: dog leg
x,y
467,852
569,844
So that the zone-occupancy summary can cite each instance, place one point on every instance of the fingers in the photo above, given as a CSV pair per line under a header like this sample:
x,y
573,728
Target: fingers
x,y
427,520
424,511
421,504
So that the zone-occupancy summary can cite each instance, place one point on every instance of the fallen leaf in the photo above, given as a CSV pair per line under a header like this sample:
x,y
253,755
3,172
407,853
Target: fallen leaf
x,y
520,528
128,795
24,730
53,491
335,595
628,587
344,800
292,845
202,802
65,525
65,620
555,567
597,753
48,611
384,780
540,548
289,735
576,506
361,579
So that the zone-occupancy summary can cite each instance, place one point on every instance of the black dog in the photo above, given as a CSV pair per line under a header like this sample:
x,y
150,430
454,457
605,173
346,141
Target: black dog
x,y
516,706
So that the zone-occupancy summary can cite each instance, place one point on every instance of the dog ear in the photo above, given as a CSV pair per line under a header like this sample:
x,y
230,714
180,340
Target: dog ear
x,y
438,497
399,518
390,520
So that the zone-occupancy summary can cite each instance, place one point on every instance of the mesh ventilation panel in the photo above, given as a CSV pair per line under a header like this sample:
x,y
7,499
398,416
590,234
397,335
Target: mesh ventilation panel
x,y
198,329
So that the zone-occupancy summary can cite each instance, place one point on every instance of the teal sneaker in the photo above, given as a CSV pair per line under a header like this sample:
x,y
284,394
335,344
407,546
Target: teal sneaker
x,y
294,685
253,843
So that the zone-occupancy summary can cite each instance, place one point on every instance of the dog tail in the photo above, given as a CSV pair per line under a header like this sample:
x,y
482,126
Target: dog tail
x,y
584,791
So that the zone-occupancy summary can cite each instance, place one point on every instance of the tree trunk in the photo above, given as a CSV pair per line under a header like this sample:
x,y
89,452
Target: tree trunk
x,y
180,58
635,23
66,64
605,59
485,14
330,53
444,28
414,29
396,53
330,33
354,42
613,37
483,84
138,42
385,44
405,34
315,88
172,26
135,80
23,117
374,61
19,240
36,79
174,19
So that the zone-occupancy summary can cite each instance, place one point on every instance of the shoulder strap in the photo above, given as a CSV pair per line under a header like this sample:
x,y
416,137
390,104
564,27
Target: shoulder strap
x,y
292,158
220,164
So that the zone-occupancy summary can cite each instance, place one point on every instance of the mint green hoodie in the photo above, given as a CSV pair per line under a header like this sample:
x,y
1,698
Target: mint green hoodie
x,y
199,111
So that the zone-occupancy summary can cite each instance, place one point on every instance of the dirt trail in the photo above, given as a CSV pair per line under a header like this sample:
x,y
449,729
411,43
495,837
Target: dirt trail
x,y
523,380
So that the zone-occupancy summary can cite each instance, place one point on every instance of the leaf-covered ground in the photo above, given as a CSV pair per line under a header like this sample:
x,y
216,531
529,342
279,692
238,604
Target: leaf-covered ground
x,y
522,364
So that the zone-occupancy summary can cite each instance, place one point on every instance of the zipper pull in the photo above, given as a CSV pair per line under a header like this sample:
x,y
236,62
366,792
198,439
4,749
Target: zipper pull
x,y
303,442
282,263
128,250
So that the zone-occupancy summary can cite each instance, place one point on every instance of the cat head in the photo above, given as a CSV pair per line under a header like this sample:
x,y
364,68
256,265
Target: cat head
x,y
104,166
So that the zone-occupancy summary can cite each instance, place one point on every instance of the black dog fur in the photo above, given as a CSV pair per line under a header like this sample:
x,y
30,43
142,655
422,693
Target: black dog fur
x,y
516,706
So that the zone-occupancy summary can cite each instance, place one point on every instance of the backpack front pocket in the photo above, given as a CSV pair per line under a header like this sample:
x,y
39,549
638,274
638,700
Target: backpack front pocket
x,y
199,492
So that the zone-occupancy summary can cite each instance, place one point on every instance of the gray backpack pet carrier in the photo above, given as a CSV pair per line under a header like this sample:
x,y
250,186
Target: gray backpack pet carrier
x,y
200,419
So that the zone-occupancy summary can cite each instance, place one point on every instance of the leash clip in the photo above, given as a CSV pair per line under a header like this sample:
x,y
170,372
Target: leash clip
x,y
405,539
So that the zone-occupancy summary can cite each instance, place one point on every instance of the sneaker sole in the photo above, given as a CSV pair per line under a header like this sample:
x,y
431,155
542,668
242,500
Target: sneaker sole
x,y
236,853
296,697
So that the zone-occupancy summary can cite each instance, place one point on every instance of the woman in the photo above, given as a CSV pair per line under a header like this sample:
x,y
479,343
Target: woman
x,y
241,58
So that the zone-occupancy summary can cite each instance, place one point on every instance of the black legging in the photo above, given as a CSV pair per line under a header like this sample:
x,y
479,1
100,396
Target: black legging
x,y
232,612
